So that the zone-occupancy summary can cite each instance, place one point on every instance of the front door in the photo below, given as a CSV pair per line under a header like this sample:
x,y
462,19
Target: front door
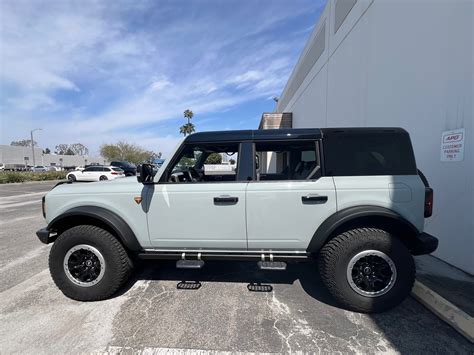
x,y
199,204
289,199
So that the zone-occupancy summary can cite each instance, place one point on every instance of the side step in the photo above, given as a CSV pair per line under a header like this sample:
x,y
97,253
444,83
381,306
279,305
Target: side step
x,y
272,265
189,264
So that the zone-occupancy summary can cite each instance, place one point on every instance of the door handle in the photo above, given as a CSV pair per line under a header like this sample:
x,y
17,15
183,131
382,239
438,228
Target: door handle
x,y
314,199
225,200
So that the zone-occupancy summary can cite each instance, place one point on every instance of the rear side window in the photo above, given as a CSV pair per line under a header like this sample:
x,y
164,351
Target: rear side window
x,y
291,160
378,153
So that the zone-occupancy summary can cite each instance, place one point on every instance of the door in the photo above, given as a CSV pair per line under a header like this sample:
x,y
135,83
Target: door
x,y
199,205
90,174
289,199
85,174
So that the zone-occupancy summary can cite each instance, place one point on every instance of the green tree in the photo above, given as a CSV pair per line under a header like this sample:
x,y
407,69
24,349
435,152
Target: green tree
x,y
72,149
79,149
61,149
23,143
123,151
214,158
187,128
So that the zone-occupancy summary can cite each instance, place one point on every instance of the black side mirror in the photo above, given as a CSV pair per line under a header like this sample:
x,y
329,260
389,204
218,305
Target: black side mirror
x,y
145,173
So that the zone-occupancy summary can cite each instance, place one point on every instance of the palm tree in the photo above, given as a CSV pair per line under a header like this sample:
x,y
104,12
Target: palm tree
x,y
189,115
187,128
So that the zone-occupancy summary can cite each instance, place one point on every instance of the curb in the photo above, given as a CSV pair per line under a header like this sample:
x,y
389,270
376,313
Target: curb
x,y
448,312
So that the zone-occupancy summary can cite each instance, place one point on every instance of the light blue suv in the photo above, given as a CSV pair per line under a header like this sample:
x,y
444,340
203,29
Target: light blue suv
x,y
350,197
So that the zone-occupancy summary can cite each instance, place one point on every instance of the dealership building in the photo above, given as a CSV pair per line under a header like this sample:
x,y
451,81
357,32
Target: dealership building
x,y
15,157
398,64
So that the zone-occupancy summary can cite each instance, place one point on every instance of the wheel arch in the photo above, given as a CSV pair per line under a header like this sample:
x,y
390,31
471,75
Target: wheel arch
x,y
97,216
364,216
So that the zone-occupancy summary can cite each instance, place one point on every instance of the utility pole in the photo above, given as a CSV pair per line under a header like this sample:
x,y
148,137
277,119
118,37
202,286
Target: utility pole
x,y
33,145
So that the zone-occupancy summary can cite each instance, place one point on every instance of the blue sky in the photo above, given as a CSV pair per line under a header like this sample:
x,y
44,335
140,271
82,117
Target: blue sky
x,y
97,71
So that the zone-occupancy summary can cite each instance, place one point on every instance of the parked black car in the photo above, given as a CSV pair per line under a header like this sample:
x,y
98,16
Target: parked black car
x,y
129,168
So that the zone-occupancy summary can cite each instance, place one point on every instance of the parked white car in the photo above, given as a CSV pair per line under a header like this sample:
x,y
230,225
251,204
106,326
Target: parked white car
x,y
37,168
2,167
96,173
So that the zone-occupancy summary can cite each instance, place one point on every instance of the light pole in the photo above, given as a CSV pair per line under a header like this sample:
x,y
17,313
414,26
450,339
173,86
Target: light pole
x,y
33,145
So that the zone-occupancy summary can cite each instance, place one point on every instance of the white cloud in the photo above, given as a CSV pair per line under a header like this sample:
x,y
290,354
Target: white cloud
x,y
94,72
158,84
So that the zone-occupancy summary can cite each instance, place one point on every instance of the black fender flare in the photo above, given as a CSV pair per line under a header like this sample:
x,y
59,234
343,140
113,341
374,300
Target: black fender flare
x,y
120,228
344,217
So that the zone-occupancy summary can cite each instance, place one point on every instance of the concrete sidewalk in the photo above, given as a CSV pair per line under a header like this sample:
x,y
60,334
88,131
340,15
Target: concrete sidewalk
x,y
447,291
449,282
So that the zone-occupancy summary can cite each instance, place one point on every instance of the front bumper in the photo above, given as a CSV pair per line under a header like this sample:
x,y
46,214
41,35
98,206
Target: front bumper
x,y
424,244
44,235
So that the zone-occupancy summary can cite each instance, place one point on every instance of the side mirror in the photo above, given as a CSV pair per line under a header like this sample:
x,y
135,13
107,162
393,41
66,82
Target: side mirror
x,y
145,173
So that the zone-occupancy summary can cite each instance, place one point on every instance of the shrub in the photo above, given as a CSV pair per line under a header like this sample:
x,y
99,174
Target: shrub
x,y
20,176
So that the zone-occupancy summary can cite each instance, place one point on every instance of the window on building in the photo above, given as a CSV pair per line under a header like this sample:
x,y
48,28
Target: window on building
x,y
343,7
287,161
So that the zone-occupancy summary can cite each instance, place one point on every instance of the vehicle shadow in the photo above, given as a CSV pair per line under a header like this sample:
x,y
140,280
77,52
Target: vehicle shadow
x,y
409,327
245,272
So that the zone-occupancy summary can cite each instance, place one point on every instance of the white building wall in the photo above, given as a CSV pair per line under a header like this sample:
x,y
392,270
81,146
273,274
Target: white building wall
x,y
408,64
16,155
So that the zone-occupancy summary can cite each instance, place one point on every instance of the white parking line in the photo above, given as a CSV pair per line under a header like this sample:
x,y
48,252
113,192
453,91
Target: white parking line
x,y
15,197
23,259
165,351
18,204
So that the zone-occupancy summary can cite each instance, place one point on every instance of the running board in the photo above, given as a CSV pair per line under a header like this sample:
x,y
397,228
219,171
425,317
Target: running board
x,y
209,255
272,265
189,264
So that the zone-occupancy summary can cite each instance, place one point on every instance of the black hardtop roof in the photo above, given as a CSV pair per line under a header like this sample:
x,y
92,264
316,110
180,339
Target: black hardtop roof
x,y
284,134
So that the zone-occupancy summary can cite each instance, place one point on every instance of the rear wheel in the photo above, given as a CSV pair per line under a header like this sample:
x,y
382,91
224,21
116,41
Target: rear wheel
x,y
367,270
103,178
88,263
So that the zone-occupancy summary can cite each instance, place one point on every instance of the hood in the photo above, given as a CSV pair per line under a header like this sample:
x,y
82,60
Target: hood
x,y
126,184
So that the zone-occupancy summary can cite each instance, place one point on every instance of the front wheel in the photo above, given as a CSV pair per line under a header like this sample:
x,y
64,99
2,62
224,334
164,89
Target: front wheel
x,y
71,178
367,270
87,263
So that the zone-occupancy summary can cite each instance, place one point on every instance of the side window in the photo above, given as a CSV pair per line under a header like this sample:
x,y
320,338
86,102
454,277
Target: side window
x,y
291,160
384,153
86,170
205,163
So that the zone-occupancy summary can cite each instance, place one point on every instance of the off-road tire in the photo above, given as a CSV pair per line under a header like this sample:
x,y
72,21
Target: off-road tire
x,y
334,259
118,265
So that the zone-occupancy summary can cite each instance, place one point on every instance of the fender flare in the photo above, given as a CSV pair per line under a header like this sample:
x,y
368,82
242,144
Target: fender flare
x,y
326,230
120,228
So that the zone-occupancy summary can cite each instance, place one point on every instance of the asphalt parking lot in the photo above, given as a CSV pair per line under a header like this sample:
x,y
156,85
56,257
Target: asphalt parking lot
x,y
154,313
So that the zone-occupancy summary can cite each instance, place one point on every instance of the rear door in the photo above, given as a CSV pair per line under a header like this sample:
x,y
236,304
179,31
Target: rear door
x,y
86,174
289,198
